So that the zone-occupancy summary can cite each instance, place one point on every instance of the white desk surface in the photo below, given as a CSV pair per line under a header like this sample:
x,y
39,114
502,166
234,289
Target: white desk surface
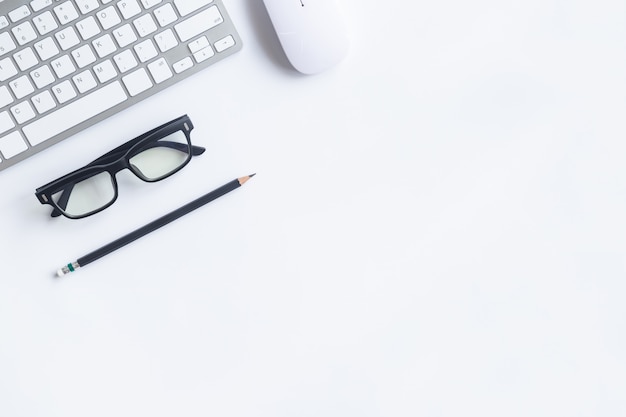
x,y
437,228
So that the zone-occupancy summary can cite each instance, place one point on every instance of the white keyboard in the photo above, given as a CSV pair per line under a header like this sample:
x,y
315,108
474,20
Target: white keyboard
x,y
68,64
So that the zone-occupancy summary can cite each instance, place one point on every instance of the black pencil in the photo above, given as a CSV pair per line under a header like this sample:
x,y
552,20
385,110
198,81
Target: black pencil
x,y
153,225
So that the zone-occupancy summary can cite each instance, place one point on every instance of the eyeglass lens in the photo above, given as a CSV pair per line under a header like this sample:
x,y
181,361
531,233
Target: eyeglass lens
x,y
152,162
86,195
161,158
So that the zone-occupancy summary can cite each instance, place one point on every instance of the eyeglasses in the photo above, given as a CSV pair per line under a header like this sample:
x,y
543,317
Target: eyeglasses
x,y
153,156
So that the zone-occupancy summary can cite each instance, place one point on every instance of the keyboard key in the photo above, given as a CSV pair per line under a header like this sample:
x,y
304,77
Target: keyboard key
x,y
25,59
45,23
67,38
22,112
43,102
104,45
125,61
6,43
182,65
42,76
66,12
85,6
203,54
88,28
160,70
150,3
105,71
5,96
24,33
6,122
21,87
20,13
83,56
137,82
38,5
63,66
46,49
165,14
108,18
145,25
198,44
64,91
199,23
145,50
224,43
124,35
84,81
166,40
3,22
12,144
185,7
7,69
75,113
129,8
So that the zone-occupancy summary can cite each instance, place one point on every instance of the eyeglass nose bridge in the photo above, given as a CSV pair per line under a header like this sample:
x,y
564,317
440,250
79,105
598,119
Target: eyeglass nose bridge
x,y
117,166
114,168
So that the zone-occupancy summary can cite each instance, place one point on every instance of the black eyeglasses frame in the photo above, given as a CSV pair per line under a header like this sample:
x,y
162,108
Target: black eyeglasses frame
x,y
115,161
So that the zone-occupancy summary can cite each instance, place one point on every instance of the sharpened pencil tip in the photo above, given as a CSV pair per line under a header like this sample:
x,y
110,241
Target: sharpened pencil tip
x,y
243,180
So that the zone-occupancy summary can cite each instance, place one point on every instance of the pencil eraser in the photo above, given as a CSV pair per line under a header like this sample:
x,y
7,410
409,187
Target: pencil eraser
x,y
60,273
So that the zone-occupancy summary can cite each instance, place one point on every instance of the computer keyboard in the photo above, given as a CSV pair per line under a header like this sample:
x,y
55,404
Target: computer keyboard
x,y
68,64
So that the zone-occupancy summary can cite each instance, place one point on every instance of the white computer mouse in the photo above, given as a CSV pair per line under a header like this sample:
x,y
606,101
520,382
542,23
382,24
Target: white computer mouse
x,y
311,32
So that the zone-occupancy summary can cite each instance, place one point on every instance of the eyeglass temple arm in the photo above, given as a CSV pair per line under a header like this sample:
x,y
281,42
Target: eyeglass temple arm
x,y
195,150
62,203
115,153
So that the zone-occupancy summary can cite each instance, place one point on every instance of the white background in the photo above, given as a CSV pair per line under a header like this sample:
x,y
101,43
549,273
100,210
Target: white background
x,y
437,228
